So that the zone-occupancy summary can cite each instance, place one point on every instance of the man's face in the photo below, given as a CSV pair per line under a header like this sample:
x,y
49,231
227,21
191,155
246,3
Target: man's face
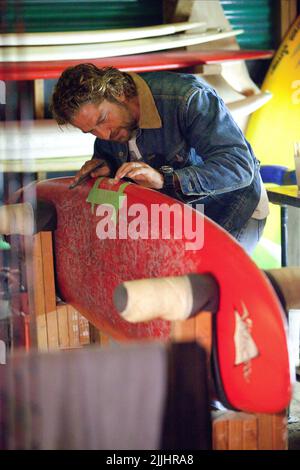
x,y
108,121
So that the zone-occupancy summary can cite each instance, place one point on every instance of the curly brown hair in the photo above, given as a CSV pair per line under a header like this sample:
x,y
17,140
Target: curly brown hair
x,y
86,83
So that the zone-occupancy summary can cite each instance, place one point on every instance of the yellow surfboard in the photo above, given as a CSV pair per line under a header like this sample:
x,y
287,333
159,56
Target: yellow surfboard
x,y
273,129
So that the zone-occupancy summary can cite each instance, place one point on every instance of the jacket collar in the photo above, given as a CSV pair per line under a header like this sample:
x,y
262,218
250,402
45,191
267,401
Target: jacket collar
x,y
149,116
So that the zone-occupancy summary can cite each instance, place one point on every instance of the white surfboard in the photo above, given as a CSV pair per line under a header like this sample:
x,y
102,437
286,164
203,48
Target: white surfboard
x,y
239,105
89,37
235,73
110,49
42,145
249,104
222,87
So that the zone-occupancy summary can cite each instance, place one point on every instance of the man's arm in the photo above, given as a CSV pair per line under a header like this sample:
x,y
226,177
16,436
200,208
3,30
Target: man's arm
x,y
229,163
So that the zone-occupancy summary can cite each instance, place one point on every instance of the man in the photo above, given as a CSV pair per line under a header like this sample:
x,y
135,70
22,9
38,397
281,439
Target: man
x,y
170,132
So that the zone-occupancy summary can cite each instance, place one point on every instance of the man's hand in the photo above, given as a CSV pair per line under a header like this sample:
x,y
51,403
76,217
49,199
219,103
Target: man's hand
x,y
88,166
141,173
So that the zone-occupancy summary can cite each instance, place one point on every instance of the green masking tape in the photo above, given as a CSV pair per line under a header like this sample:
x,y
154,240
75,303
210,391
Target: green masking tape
x,y
105,196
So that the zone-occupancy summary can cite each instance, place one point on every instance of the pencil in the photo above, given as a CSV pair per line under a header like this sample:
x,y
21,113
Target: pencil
x,y
87,175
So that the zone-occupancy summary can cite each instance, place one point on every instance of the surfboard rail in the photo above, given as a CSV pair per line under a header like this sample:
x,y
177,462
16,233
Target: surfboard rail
x,y
111,49
94,36
134,63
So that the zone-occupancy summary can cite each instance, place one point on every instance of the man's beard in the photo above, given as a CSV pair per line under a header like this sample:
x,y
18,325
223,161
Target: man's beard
x,y
130,131
131,126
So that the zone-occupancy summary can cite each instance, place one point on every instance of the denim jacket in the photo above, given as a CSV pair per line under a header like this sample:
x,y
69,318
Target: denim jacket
x,y
186,125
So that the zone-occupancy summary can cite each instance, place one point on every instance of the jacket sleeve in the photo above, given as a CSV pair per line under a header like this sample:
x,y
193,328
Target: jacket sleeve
x,y
228,160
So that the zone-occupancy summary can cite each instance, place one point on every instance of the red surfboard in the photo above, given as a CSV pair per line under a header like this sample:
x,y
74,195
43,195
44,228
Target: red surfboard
x,y
131,63
251,350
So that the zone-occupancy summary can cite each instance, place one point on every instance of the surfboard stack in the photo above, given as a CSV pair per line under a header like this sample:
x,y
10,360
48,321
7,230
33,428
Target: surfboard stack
x,y
34,56
100,44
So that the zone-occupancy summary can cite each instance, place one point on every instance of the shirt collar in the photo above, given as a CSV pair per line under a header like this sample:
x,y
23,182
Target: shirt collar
x,y
149,116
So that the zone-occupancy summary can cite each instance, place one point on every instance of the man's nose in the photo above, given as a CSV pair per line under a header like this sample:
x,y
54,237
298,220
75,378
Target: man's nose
x,y
102,132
